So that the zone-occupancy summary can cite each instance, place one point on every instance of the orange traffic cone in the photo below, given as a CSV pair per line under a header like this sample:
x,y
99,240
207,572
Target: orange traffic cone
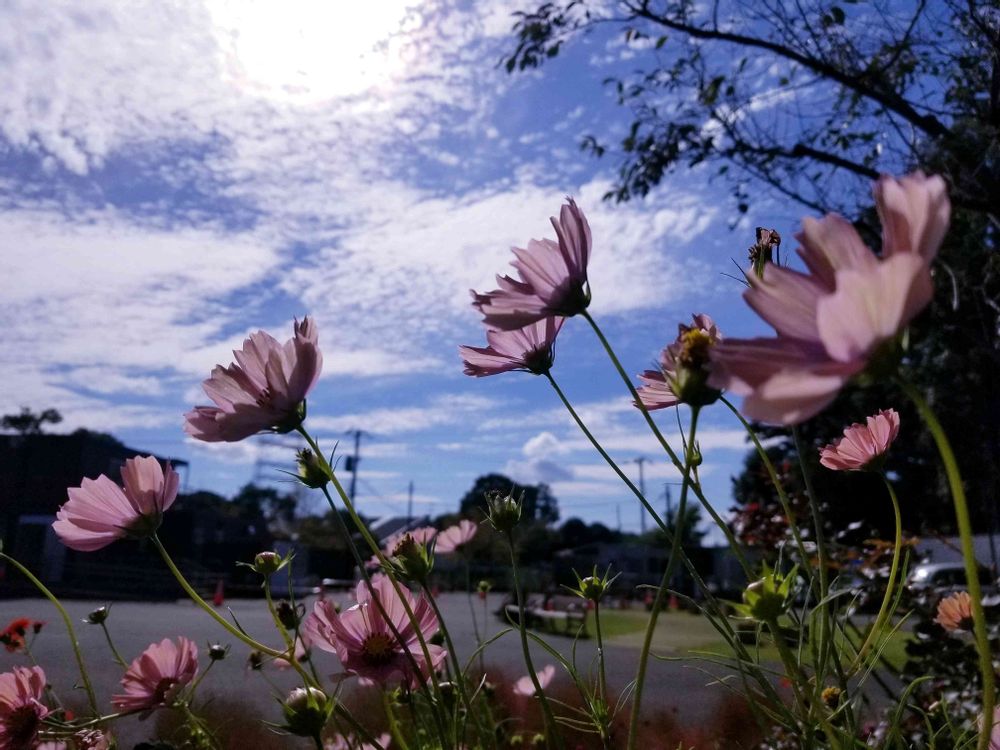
x,y
220,596
674,604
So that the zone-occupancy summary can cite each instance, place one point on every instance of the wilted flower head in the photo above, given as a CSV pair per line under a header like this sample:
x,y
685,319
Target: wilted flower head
x,y
264,390
21,708
531,349
552,277
98,616
157,675
365,643
99,511
864,445
92,739
524,686
955,612
454,538
684,368
843,316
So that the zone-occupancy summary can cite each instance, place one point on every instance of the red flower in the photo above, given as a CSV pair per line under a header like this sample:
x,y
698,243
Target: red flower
x,y
12,636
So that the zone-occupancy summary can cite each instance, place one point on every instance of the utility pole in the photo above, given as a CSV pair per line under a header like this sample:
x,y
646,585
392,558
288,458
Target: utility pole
x,y
618,512
409,505
642,489
670,503
354,462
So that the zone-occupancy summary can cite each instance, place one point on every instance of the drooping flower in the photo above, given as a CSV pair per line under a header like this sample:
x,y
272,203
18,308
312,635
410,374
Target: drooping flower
x,y
524,686
845,314
454,538
531,349
99,511
264,390
365,643
863,446
158,675
684,368
955,612
552,277
21,707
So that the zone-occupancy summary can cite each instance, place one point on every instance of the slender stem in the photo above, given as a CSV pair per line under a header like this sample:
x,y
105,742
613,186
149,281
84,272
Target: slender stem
x,y
661,592
390,716
821,553
84,676
196,598
604,454
968,553
358,727
111,645
552,733
602,678
472,611
883,612
291,658
786,506
631,389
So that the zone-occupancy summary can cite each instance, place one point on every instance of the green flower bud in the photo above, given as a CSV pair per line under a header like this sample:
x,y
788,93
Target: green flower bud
x,y
769,597
267,563
98,616
503,510
311,471
306,711
412,559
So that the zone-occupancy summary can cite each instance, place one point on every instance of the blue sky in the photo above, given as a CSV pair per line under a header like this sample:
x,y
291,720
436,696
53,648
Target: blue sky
x,y
177,175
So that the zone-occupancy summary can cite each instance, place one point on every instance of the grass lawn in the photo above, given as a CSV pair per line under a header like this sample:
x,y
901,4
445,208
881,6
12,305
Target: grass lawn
x,y
679,633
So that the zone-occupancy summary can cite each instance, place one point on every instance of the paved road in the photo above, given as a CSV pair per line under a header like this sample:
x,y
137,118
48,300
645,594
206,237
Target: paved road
x,y
670,686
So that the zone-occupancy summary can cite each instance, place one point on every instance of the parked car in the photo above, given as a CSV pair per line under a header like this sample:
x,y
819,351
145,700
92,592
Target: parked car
x,y
945,577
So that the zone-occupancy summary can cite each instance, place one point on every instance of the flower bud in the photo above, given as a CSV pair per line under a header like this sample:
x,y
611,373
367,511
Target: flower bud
x,y
255,661
98,616
831,697
503,510
306,711
767,598
412,559
312,472
593,587
267,563
217,652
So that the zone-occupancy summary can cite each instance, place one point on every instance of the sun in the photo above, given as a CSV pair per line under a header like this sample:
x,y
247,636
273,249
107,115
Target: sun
x,y
311,51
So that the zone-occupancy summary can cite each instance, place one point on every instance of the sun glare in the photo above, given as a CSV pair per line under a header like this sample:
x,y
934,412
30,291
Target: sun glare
x,y
309,51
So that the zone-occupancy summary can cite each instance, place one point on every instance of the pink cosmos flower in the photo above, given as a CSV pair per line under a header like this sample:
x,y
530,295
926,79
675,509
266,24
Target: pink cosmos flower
x,y
863,445
531,349
955,612
552,277
264,390
832,321
657,389
524,686
454,538
21,708
99,511
364,642
157,675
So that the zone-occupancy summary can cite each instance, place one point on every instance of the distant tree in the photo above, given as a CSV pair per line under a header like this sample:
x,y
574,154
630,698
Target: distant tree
x,y
539,503
28,422
576,533
254,500
693,532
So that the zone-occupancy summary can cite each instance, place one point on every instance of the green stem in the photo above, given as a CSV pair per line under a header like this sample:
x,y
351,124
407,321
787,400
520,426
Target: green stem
x,y
291,658
111,645
84,677
968,553
661,592
552,733
634,393
602,679
196,598
883,612
390,716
